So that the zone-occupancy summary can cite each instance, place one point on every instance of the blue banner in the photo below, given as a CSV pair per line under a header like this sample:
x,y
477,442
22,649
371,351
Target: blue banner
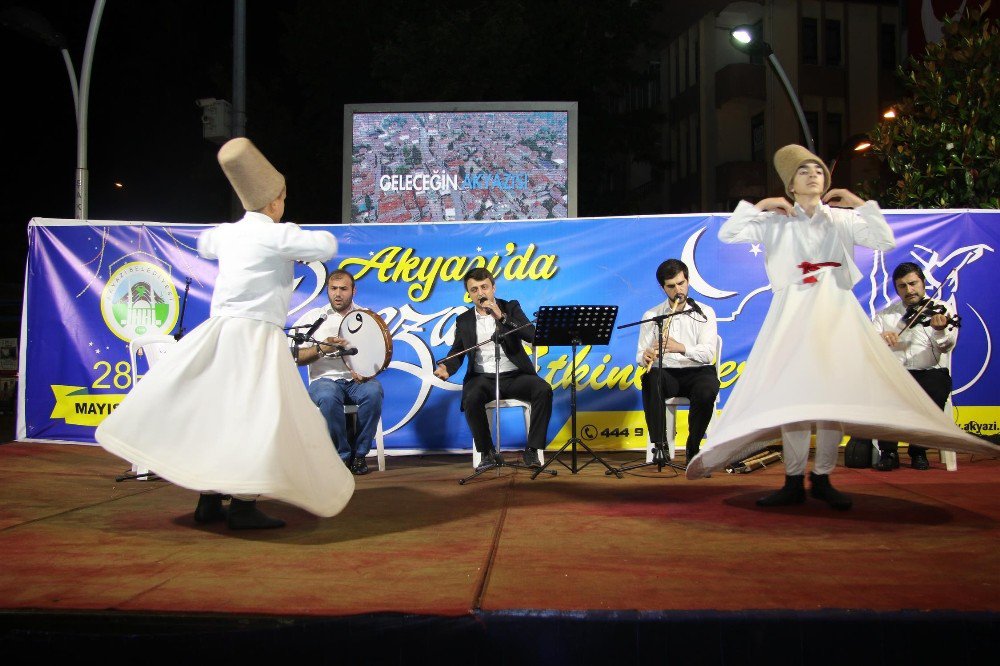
x,y
91,288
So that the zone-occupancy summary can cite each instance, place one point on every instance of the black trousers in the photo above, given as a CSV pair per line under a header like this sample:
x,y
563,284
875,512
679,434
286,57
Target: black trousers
x,y
699,385
480,389
937,384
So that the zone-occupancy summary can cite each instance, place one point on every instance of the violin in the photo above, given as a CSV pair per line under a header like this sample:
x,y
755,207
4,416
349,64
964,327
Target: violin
x,y
920,313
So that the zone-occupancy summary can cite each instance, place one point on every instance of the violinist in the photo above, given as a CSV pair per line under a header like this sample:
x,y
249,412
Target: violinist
x,y
919,332
688,362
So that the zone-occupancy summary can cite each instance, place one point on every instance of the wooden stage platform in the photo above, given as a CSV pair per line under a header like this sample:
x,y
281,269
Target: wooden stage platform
x,y
584,568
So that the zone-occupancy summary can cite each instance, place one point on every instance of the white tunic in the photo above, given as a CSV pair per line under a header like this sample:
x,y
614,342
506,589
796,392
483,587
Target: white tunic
x,y
226,410
817,356
698,334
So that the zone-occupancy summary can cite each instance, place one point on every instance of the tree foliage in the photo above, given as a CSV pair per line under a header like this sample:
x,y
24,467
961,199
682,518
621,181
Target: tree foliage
x,y
941,148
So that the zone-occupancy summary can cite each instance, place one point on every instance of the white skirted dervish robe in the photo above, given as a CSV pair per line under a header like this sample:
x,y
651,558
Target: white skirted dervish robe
x,y
817,357
226,409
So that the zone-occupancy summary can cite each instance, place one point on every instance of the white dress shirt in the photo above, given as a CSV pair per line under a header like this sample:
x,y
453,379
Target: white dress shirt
x,y
698,334
256,266
485,363
920,347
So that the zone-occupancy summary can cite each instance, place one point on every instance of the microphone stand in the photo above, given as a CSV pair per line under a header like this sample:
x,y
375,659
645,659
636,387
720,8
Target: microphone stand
x,y
495,455
659,454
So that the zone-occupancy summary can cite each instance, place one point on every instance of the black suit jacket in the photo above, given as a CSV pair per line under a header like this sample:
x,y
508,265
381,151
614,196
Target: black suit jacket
x,y
465,337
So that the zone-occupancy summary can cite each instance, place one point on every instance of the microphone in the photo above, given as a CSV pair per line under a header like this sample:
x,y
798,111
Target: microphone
x,y
316,324
694,307
482,299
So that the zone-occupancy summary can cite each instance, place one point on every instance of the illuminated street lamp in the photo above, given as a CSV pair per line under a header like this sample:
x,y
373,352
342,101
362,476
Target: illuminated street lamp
x,y
855,144
745,38
35,26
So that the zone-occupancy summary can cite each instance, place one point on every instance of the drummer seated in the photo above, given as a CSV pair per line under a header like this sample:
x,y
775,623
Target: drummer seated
x,y
332,384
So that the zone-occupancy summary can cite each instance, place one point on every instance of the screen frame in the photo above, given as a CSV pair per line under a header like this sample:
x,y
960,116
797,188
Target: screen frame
x,y
572,123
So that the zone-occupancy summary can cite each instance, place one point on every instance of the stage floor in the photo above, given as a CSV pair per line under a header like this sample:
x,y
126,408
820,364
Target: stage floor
x,y
414,541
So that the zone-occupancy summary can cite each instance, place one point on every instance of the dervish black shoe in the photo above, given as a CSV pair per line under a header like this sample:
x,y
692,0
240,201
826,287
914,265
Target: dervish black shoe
x,y
244,515
359,467
887,461
793,492
209,509
821,488
530,457
919,461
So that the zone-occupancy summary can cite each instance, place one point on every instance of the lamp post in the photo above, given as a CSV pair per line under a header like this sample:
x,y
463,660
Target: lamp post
x,y
35,26
745,38
855,144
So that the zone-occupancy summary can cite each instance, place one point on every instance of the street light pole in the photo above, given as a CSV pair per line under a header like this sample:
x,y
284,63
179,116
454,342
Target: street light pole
x,y
746,39
82,101
34,25
793,98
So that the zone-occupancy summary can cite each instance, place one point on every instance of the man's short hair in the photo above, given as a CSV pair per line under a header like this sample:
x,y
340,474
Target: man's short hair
x,y
480,274
905,269
669,269
340,272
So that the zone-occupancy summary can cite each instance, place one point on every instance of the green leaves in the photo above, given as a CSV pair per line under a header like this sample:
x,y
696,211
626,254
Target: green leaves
x,y
942,146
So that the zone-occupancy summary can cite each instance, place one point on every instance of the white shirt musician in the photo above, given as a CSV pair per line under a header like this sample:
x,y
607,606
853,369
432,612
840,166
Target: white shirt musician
x,y
332,382
688,366
923,348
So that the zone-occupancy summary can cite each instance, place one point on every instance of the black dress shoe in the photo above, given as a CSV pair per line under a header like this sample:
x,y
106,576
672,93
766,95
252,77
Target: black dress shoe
x,y
821,488
530,457
244,515
359,467
919,461
887,461
793,492
209,509
486,461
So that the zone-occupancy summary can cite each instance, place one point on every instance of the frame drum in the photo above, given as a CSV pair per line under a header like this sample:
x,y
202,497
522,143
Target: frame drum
x,y
366,331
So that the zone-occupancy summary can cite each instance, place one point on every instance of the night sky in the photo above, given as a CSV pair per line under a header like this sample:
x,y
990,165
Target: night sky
x,y
305,60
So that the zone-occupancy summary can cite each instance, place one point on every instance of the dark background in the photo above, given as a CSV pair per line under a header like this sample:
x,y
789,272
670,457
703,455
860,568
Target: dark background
x,y
305,60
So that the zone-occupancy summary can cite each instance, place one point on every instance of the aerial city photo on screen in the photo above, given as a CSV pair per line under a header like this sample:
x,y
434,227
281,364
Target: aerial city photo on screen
x,y
457,166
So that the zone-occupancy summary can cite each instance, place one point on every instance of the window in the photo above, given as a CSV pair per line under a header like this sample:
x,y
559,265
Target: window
x,y
812,120
810,41
887,46
758,30
834,134
757,138
831,43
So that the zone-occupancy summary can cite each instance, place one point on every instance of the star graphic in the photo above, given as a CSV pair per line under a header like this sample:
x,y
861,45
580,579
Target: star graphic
x,y
97,351
479,249
91,344
755,249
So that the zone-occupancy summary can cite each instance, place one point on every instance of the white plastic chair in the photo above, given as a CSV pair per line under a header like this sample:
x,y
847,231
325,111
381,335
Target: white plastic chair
x,y
379,436
491,408
153,348
671,405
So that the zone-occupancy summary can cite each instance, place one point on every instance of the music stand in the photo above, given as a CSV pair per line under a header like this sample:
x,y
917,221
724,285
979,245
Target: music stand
x,y
574,325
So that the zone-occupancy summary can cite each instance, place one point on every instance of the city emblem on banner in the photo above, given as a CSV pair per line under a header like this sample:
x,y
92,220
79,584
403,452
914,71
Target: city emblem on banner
x,y
139,299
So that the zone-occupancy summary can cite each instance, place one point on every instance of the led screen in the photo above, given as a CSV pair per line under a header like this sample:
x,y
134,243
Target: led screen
x,y
423,165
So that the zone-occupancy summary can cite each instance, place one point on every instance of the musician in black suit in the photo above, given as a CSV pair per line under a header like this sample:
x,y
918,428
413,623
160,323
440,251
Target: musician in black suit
x,y
518,379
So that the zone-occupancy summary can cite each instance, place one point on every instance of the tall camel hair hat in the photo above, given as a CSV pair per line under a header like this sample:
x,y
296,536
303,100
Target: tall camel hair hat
x,y
256,182
787,161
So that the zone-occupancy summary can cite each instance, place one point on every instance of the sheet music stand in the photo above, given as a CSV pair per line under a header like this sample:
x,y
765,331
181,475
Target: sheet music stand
x,y
574,325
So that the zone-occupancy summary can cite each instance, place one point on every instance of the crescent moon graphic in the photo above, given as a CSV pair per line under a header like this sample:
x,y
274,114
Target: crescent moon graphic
x,y
697,282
